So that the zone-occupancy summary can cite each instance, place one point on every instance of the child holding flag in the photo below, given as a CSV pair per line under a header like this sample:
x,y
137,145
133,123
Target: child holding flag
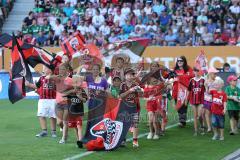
x,y
218,109
129,92
196,90
233,103
46,104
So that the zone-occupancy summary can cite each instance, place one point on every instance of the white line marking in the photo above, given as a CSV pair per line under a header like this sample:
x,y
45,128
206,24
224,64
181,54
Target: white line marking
x,y
233,156
78,156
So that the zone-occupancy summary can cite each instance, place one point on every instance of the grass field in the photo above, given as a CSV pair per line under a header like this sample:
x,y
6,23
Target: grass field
x,y
19,125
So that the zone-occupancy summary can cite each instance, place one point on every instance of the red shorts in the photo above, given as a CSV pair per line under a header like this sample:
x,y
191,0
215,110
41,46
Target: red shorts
x,y
74,121
152,106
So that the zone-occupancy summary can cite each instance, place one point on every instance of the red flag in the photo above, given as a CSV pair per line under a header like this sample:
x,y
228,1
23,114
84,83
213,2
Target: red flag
x,y
182,96
112,107
73,44
90,55
19,72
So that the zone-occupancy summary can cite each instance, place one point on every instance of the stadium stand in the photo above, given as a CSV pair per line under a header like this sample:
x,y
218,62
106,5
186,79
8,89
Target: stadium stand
x,y
6,6
166,22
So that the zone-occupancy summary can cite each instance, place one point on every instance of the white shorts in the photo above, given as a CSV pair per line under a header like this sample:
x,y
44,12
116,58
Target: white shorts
x,y
46,108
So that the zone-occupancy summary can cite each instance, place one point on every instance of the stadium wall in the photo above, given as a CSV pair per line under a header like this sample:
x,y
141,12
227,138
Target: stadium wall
x,y
216,56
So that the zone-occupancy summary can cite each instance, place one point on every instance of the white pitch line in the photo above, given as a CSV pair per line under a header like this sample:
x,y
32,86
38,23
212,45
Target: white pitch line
x,y
81,155
233,156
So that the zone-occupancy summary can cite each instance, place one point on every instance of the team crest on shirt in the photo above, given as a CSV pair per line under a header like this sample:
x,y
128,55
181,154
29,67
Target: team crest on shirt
x,y
218,100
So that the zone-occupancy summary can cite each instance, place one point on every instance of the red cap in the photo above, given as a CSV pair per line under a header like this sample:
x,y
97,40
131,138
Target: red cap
x,y
232,78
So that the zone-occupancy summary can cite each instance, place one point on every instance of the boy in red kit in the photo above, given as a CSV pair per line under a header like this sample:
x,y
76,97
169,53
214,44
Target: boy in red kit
x,y
129,92
218,109
46,89
196,90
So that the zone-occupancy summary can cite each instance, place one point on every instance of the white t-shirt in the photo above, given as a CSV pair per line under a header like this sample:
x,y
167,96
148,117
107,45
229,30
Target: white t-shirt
x,y
137,12
153,27
72,2
141,26
199,29
192,3
105,30
121,18
90,12
148,10
98,20
125,11
103,11
90,29
111,11
235,9
58,29
81,29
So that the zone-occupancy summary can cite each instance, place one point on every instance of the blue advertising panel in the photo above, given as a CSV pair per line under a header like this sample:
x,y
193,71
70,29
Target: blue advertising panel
x,y
4,79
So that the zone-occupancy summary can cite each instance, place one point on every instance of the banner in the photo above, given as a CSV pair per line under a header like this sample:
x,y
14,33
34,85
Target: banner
x,y
108,123
216,55
182,96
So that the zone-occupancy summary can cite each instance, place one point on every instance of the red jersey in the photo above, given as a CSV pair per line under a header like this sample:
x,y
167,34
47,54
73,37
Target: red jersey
x,y
151,91
46,88
183,78
218,100
196,90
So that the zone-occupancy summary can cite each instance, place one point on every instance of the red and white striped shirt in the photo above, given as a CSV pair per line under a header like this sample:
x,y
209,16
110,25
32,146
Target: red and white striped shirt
x,y
46,88
196,91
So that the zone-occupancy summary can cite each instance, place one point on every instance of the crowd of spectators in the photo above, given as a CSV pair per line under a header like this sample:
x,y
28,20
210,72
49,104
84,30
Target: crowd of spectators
x,y
165,22
5,8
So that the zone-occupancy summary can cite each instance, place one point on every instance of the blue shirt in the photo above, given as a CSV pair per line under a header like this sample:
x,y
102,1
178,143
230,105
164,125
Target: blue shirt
x,y
123,36
127,28
171,39
41,40
68,11
164,20
211,27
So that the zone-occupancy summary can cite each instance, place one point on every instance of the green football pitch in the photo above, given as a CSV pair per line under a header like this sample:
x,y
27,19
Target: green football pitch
x,y
19,125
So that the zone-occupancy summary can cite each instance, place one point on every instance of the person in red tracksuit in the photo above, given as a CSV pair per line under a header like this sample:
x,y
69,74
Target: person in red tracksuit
x,y
184,74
